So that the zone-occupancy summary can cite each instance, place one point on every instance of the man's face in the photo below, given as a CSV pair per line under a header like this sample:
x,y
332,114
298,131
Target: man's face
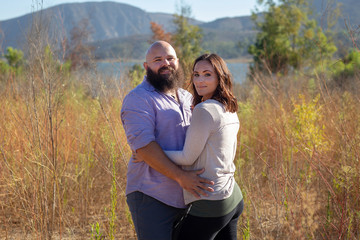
x,y
161,60
162,67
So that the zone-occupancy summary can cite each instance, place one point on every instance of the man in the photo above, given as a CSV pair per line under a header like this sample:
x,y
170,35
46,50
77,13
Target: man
x,y
155,116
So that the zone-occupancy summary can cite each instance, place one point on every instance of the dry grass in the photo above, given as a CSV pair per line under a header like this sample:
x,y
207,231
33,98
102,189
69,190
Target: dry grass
x,y
297,161
55,173
63,156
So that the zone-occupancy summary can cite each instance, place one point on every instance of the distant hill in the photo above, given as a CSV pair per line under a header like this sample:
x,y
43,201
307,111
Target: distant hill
x,y
122,30
115,27
237,24
349,11
106,20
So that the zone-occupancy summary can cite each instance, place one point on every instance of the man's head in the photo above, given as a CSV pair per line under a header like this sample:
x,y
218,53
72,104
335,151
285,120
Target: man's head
x,y
162,66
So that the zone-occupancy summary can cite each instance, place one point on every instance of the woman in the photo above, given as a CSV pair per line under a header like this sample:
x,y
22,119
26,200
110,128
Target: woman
x,y
210,143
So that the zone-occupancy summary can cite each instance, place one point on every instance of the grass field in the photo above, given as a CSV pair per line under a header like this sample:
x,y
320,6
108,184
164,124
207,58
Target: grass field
x,y
63,157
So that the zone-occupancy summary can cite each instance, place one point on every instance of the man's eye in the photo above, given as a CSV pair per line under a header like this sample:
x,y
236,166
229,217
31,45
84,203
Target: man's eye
x,y
196,74
207,75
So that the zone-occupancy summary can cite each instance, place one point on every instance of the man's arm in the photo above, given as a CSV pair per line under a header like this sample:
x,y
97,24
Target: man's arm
x,y
155,157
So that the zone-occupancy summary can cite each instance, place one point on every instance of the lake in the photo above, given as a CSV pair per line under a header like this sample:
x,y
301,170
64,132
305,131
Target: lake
x,y
237,69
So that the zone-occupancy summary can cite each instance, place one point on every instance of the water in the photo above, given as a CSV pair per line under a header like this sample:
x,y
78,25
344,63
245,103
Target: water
x,y
115,68
237,69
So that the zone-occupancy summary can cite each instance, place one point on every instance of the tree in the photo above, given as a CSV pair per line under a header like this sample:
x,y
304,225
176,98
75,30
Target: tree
x,y
346,70
15,61
186,39
80,53
288,39
14,57
159,33
136,75
4,68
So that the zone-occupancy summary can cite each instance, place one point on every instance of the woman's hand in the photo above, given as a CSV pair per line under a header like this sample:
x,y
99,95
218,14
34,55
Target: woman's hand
x,y
194,184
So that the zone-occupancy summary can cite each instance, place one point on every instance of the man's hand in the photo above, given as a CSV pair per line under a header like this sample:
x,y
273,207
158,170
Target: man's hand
x,y
136,158
191,182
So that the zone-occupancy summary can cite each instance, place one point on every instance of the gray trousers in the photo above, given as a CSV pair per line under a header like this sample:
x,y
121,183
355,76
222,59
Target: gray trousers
x,y
152,218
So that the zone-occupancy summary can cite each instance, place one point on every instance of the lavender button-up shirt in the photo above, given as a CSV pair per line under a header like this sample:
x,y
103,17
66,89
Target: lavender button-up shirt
x,y
148,115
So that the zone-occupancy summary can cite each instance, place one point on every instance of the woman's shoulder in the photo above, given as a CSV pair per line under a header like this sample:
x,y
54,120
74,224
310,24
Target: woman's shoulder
x,y
211,105
217,111
210,108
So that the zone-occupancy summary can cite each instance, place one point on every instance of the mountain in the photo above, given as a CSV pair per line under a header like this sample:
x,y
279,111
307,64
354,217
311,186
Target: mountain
x,y
348,12
166,20
106,20
121,30
115,27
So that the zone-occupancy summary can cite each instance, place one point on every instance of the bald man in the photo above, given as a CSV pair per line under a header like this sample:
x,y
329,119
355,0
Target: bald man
x,y
155,116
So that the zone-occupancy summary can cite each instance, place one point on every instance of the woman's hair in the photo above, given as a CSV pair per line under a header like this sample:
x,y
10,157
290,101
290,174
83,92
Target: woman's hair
x,y
223,92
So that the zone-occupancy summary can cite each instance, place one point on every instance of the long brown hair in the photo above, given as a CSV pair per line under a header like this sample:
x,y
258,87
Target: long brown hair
x,y
223,92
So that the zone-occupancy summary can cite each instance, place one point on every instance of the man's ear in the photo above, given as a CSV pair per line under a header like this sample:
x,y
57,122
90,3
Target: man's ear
x,y
145,65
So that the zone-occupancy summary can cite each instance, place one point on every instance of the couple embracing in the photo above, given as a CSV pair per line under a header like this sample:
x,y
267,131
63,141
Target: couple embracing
x,y
180,179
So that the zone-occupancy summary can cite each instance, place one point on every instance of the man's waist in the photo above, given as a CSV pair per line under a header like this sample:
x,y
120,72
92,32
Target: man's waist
x,y
156,185
173,196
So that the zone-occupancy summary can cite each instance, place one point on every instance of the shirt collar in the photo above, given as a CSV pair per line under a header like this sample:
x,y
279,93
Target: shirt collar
x,y
147,85
181,92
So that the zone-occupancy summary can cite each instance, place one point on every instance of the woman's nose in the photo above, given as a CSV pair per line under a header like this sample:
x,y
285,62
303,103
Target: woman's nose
x,y
199,79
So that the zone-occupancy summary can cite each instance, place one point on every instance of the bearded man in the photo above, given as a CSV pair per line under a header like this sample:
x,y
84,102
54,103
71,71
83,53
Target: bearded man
x,y
155,116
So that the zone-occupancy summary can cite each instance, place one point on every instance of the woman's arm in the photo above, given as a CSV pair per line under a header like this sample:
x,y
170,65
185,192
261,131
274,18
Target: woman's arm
x,y
196,137
153,155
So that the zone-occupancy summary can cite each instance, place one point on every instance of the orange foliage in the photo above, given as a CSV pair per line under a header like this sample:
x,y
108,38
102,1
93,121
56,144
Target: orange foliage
x,y
159,33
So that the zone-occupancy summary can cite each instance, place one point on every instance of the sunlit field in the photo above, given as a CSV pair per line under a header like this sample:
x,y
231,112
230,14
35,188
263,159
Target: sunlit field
x,y
64,157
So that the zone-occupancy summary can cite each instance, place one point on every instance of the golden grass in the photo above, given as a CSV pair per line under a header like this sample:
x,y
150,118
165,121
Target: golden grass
x,y
297,162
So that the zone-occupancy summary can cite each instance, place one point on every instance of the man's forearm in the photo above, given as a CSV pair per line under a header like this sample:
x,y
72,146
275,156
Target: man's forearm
x,y
155,157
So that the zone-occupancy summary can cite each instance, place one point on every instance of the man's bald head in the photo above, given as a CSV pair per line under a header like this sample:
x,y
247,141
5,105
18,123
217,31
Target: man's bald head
x,y
159,47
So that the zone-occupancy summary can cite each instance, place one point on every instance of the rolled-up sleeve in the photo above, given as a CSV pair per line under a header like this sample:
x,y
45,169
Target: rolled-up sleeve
x,y
138,119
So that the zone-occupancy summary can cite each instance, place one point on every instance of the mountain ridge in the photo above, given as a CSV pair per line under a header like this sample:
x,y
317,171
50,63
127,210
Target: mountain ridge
x,y
116,27
110,22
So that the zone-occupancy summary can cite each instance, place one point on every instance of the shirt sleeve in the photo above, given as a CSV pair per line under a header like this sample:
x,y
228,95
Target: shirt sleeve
x,y
138,119
196,137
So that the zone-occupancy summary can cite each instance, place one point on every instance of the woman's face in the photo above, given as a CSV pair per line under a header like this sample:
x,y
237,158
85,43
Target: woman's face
x,y
205,79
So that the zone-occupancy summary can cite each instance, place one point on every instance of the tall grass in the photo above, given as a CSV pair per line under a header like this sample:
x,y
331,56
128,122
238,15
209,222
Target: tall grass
x,y
60,160
63,155
298,160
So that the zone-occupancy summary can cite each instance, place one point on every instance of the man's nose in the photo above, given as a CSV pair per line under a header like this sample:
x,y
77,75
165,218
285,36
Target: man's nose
x,y
165,62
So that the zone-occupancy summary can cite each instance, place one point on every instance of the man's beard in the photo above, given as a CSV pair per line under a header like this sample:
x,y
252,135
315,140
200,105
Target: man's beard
x,y
162,82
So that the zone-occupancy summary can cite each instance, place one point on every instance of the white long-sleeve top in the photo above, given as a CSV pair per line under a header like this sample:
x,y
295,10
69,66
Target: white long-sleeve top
x,y
210,143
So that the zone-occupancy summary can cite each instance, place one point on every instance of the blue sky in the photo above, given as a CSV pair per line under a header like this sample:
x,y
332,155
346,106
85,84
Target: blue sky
x,y
204,10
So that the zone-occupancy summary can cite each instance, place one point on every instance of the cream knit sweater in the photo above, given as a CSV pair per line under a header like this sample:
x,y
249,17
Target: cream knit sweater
x,y
210,143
